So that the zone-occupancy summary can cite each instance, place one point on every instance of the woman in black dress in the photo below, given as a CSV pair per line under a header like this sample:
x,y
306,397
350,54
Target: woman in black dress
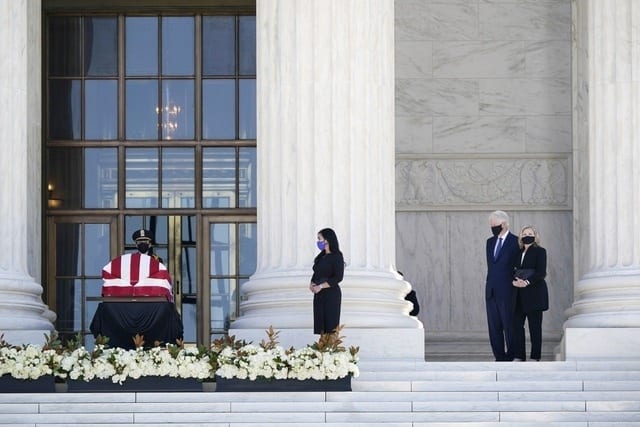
x,y
531,296
328,270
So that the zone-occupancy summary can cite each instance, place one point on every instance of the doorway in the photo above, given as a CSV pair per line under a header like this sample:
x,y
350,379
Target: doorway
x,y
150,122
208,258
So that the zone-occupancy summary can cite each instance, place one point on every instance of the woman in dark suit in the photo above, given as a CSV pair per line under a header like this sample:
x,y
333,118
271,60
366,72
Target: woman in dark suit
x,y
531,296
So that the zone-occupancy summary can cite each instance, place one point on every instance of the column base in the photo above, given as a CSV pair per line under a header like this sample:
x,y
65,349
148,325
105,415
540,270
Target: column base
x,y
24,318
383,343
36,337
600,344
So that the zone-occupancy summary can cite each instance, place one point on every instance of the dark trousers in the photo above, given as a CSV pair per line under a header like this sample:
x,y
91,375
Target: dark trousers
x,y
326,310
534,319
500,321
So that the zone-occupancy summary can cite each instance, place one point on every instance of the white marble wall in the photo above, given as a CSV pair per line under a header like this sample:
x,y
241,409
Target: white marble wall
x,y
483,122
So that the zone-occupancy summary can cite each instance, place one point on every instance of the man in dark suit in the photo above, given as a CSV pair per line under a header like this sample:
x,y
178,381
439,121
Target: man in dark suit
x,y
501,249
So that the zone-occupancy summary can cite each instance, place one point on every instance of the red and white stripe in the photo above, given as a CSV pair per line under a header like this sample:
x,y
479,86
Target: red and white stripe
x,y
136,274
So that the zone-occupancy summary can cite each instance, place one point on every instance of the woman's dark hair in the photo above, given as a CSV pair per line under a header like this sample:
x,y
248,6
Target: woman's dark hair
x,y
330,236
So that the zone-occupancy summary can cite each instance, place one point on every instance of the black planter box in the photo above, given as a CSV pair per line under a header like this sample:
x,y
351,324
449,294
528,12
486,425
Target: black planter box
x,y
262,385
45,384
142,384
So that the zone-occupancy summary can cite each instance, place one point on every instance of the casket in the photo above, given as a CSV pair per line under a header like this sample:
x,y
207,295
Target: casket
x,y
136,275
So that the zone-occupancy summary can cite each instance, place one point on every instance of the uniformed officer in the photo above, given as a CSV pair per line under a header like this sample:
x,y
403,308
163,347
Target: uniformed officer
x,y
144,242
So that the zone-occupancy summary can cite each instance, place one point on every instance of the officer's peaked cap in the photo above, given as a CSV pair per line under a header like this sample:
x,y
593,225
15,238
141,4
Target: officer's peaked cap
x,y
142,234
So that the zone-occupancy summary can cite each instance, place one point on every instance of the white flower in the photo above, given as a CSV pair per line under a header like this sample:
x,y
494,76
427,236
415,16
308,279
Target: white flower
x,y
117,364
27,362
254,362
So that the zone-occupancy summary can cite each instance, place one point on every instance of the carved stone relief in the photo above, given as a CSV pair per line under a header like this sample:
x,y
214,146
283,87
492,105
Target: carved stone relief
x,y
428,183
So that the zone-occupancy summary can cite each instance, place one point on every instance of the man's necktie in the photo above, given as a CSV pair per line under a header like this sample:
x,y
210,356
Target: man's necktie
x,y
498,247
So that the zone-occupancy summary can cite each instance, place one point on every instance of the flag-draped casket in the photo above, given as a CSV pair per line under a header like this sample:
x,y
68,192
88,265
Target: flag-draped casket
x,y
136,275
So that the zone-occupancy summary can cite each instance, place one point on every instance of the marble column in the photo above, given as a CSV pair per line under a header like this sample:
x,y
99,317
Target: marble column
x,y
604,320
23,316
325,94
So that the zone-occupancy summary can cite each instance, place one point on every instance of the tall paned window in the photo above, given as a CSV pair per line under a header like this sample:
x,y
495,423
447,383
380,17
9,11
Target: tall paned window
x,y
149,122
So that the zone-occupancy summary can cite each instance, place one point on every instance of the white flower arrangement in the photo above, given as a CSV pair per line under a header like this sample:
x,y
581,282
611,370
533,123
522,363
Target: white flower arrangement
x,y
324,360
75,362
28,362
119,364
227,358
309,363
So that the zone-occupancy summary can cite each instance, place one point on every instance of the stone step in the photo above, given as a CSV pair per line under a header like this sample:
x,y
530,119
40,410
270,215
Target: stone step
x,y
302,418
500,376
426,396
529,424
394,366
549,385
389,394
25,401
326,406
474,386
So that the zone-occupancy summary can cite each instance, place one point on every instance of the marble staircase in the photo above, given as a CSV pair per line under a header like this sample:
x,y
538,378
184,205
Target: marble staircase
x,y
387,393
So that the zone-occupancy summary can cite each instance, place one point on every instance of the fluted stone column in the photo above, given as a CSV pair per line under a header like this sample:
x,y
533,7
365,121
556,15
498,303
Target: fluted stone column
x,y
604,320
23,316
326,159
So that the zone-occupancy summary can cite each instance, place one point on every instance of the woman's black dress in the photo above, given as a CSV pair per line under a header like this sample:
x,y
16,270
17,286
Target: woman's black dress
x,y
327,267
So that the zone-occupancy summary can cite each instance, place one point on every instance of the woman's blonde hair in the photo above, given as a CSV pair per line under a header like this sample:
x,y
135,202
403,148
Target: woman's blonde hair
x,y
536,236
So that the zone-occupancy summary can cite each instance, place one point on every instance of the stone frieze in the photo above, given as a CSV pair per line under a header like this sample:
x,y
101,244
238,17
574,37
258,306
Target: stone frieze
x,y
533,183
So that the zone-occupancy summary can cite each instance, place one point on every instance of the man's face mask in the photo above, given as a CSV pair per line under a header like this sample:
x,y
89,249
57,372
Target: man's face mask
x,y
496,229
143,247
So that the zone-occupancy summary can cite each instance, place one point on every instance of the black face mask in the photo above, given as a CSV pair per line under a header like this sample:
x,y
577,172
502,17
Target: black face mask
x,y
143,247
527,240
496,230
